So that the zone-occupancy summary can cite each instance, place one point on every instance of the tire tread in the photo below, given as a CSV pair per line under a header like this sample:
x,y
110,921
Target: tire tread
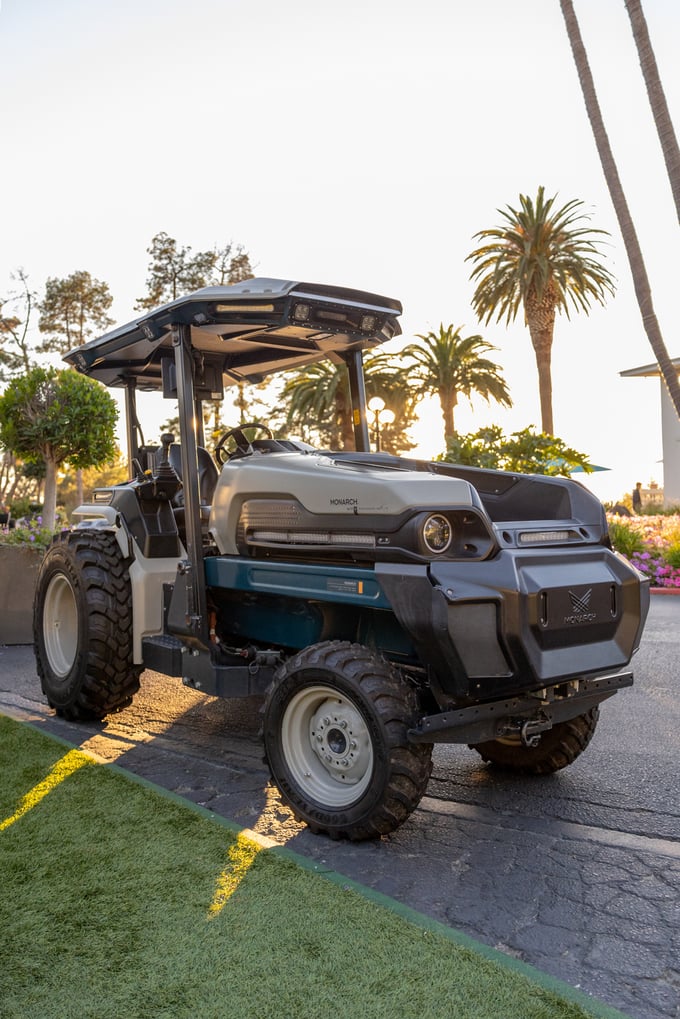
x,y
394,700
110,677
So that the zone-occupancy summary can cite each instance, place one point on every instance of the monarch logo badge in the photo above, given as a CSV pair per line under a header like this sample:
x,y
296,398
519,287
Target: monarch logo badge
x,y
580,604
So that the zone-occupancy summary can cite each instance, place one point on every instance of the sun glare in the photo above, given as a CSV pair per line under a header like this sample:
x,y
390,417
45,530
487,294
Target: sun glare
x,y
274,827
71,762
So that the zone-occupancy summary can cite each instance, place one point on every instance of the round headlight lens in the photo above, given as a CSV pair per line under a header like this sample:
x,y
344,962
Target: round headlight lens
x,y
437,533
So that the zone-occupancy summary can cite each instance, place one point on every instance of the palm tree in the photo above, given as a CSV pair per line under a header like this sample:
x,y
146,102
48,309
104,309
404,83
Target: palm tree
x,y
317,401
543,260
317,398
450,365
657,98
638,270
384,374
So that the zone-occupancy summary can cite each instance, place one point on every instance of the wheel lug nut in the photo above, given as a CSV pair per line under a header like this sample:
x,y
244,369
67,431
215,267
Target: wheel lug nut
x,y
326,721
344,762
319,738
328,758
343,724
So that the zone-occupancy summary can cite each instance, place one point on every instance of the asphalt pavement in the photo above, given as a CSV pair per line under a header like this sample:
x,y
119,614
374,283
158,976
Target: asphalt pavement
x,y
577,874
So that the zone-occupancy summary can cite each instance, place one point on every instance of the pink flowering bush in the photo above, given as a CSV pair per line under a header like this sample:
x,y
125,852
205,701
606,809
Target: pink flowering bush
x,y
652,544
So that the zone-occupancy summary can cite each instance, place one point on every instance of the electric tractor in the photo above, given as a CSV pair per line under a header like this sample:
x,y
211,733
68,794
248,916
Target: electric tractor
x,y
377,604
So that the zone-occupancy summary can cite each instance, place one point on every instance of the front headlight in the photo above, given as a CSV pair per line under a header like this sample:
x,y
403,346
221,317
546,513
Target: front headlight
x,y
437,533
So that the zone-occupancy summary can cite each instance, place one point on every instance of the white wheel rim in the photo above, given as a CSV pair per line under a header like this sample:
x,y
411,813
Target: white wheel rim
x,y
327,746
60,625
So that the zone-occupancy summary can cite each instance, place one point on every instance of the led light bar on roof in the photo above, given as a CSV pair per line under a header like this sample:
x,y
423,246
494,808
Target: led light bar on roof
x,y
240,308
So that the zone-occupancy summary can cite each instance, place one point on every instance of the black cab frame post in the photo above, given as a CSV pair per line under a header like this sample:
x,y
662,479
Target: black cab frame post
x,y
191,569
357,391
131,425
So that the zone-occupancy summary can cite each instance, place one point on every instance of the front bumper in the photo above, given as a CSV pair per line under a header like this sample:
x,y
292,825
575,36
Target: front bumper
x,y
522,621
521,716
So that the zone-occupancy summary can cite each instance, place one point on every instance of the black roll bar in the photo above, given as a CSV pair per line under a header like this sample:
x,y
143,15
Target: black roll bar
x,y
357,391
192,567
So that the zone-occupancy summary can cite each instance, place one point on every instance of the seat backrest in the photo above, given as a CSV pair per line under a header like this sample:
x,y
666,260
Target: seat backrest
x,y
207,470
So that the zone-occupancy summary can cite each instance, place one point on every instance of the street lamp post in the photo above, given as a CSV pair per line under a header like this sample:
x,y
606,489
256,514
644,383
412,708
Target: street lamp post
x,y
382,415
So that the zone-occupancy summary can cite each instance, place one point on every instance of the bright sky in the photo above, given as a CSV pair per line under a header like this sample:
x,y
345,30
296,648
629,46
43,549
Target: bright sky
x,y
360,143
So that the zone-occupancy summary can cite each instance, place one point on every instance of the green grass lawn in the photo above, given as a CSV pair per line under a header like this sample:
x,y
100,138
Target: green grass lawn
x,y
121,902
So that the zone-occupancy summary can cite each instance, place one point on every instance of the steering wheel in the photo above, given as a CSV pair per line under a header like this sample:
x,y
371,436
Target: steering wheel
x,y
241,446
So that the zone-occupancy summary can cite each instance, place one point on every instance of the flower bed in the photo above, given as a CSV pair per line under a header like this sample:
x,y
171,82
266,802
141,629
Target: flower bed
x,y
652,544
28,533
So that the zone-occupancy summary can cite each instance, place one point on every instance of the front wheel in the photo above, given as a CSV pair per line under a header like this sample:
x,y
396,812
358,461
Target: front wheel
x,y
336,736
83,626
556,748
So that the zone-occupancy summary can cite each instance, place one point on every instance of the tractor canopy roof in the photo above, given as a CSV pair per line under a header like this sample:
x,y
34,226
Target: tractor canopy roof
x,y
240,333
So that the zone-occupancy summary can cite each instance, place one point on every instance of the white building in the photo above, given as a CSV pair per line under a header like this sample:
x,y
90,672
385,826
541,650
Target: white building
x,y
670,432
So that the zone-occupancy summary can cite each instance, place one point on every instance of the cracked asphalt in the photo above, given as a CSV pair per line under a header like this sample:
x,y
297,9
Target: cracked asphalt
x,y
577,874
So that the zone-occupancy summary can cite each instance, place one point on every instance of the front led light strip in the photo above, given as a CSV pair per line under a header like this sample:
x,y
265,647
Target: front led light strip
x,y
312,538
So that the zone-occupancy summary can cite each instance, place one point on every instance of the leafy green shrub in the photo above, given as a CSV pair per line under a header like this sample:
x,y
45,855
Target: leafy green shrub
x,y
524,452
24,507
672,556
625,539
655,509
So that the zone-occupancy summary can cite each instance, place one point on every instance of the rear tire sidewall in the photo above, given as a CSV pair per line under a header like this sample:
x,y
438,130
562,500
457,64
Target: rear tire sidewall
x,y
61,685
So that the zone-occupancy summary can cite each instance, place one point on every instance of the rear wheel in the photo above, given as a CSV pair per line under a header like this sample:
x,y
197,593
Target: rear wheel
x,y
557,747
336,736
83,626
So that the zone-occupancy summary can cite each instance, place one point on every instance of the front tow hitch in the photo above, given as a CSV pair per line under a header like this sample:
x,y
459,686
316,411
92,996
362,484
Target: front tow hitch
x,y
529,730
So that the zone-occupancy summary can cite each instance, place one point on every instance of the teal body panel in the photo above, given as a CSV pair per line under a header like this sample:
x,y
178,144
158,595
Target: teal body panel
x,y
295,605
343,585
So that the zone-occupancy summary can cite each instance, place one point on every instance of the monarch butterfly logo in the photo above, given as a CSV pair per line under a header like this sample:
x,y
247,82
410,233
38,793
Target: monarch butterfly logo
x,y
581,602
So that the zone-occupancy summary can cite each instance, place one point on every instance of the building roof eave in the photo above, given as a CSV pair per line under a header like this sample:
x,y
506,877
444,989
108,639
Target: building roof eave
x,y
648,370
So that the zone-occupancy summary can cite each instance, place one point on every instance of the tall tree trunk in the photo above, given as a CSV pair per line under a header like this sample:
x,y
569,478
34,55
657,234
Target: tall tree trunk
x,y
448,403
50,494
637,266
543,353
540,316
657,98
242,403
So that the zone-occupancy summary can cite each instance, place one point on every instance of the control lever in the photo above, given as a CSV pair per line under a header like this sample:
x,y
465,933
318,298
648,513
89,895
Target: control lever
x,y
164,469
164,484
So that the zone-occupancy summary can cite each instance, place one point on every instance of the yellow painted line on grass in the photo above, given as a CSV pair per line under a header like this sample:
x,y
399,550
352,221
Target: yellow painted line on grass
x,y
71,762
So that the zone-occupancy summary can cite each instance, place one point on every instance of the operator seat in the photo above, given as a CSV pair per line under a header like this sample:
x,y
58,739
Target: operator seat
x,y
207,480
207,472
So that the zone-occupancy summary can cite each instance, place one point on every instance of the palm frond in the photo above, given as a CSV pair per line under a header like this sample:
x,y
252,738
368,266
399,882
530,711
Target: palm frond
x,y
539,250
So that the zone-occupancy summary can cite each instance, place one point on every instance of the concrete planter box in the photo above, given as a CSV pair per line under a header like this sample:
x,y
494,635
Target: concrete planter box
x,y
18,575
